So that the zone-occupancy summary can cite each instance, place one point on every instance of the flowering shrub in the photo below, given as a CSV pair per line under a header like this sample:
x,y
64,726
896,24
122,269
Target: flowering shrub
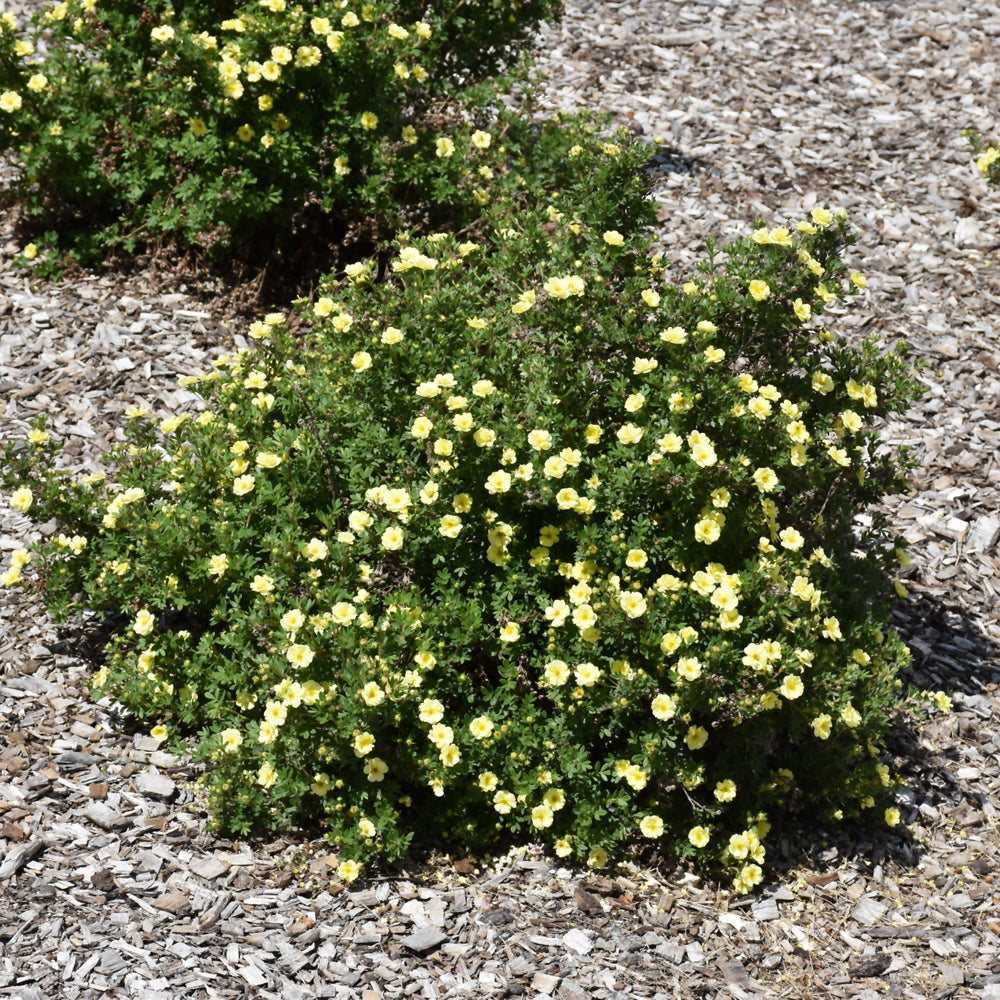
x,y
222,127
523,541
987,156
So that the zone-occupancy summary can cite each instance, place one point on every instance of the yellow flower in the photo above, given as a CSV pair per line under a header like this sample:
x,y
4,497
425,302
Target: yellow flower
x,y
480,139
392,538
363,744
554,798
613,238
664,707
504,802
315,549
376,769
162,33
831,629
343,613
707,531
276,713
449,526
266,775
698,836
597,858
791,687
524,302
487,781
556,673
633,604
689,668
791,539
21,499
431,710
144,623
629,434
563,288
850,716
539,439
892,816
725,791
481,727
292,621
498,482
348,871
703,454
541,817
554,467
38,82
766,480
372,694
510,632
651,826
299,655
245,133
696,737
243,485
444,148
421,428
587,674
635,402
307,55
359,520
822,726
802,309
636,777
759,290
749,876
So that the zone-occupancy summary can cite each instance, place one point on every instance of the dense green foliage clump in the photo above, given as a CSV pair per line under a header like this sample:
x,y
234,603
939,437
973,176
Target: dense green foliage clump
x,y
513,536
229,126
523,540
987,156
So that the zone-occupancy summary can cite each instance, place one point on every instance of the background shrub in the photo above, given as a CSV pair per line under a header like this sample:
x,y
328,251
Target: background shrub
x,y
987,156
230,126
522,541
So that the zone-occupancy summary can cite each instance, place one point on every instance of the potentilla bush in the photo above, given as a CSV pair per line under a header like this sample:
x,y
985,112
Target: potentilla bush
x,y
221,126
522,542
987,156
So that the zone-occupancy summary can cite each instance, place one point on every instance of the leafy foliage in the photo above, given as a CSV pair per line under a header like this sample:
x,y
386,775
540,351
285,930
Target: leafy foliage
x,y
987,156
225,127
521,540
